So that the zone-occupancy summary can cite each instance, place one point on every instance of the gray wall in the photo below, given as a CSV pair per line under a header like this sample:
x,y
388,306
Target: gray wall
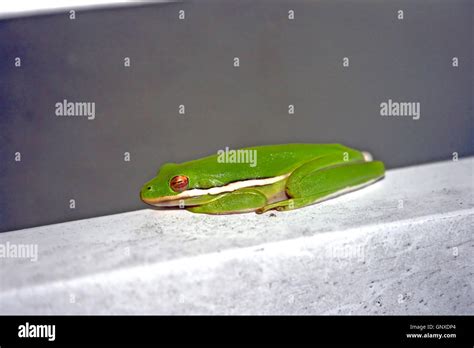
x,y
190,62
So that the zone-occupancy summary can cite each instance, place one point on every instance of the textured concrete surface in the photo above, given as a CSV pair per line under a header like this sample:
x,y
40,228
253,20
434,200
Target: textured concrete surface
x,y
401,246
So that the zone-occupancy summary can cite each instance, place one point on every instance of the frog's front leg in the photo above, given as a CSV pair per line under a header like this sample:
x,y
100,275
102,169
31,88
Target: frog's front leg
x,y
239,201
324,178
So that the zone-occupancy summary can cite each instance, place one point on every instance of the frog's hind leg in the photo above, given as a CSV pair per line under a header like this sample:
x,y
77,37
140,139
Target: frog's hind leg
x,y
314,182
239,201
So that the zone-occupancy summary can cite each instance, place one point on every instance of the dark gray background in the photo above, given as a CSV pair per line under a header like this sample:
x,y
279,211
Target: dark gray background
x,y
190,62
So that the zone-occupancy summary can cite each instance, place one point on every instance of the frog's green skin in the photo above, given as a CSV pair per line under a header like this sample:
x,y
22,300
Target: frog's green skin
x,y
286,177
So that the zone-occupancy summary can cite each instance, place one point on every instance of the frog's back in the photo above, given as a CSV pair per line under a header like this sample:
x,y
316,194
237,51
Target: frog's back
x,y
287,157
296,152
266,161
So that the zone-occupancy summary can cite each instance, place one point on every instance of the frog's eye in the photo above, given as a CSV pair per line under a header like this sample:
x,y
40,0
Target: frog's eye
x,y
179,183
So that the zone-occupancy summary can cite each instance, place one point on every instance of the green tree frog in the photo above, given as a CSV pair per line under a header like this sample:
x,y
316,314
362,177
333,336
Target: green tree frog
x,y
281,177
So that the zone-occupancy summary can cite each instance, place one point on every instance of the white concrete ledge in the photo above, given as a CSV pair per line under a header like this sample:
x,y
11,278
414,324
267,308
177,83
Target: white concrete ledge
x,y
401,246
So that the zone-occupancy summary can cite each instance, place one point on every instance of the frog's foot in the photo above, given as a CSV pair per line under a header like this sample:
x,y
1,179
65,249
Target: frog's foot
x,y
288,204
367,156
240,201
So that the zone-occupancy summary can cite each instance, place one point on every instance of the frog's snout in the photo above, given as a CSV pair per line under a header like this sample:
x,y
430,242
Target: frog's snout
x,y
145,192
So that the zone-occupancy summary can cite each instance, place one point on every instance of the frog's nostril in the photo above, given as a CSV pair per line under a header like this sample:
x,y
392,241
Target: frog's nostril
x,y
149,188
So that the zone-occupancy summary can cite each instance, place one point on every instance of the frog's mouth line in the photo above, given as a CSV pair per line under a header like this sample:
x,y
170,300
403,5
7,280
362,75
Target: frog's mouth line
x,y
172,201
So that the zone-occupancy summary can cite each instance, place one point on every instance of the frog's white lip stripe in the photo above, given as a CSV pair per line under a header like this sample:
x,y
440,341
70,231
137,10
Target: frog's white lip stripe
x,y
174,200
